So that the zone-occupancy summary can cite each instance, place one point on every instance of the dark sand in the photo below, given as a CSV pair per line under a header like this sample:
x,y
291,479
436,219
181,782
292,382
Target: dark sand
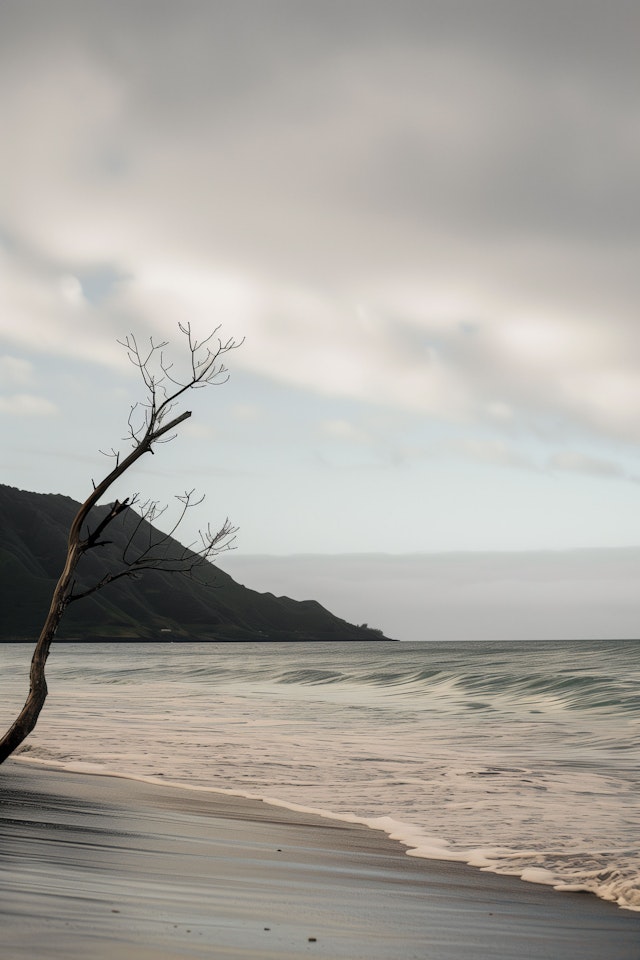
x,y
98,867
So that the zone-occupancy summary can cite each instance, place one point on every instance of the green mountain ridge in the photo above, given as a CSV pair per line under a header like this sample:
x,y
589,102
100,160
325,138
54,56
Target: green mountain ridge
x,y
156,606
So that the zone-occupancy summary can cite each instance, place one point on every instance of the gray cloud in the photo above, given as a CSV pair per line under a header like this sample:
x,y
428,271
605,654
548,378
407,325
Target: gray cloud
x,y
440,117
428,205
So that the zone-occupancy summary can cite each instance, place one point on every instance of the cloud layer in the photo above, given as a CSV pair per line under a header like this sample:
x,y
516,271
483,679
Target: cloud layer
x,y
430,207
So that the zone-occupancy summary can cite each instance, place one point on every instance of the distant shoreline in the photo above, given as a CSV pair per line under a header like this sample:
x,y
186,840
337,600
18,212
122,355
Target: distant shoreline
x,y
167,640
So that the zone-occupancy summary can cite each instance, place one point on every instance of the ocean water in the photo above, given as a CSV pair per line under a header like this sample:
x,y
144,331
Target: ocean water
x,y
518,758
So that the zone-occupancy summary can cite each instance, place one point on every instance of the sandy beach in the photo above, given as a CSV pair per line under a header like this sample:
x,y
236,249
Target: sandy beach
x,y
104,867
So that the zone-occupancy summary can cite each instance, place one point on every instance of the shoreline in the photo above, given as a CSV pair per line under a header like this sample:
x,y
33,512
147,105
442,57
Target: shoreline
x,y
108,867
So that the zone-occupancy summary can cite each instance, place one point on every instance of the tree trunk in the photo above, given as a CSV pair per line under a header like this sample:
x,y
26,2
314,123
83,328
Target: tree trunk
x,y
28,716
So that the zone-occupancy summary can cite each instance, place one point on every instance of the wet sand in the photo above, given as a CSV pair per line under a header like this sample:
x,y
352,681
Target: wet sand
x,y
101,867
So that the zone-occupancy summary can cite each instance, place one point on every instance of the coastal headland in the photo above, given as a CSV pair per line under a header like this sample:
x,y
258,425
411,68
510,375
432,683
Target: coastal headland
x,y
159,606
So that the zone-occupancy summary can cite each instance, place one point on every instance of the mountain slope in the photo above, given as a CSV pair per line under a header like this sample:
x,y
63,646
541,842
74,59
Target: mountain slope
x,y
210,605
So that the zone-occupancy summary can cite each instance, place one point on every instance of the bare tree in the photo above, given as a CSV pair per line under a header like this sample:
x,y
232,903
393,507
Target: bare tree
x,y
152,422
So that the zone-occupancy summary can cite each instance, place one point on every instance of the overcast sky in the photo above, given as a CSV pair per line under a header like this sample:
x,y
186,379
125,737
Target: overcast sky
x,y
423,217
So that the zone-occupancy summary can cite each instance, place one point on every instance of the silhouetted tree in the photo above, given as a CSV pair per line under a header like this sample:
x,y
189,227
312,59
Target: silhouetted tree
x,y
151,422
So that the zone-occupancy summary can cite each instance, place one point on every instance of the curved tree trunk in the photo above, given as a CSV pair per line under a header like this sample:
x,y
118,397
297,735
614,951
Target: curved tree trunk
x,y
28,716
